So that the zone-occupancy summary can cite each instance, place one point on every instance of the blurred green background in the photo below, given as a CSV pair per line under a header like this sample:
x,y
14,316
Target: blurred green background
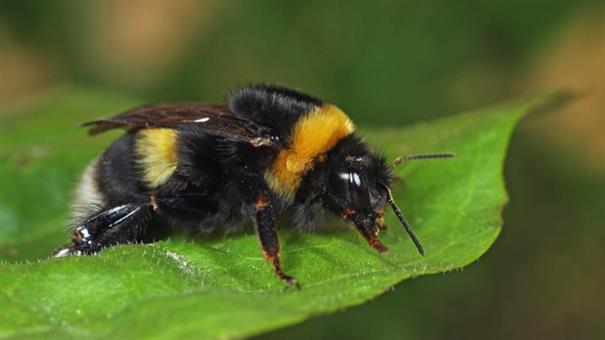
x,y
384,62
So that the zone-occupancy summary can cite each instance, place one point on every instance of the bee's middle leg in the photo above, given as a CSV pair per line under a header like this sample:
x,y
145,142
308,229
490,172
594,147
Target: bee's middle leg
x,y
267,235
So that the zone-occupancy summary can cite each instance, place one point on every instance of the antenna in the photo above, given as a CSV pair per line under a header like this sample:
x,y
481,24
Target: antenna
x,y
402,159
402,219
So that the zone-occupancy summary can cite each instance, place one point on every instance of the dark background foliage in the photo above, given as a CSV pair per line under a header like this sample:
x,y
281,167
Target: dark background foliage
x,y
386,63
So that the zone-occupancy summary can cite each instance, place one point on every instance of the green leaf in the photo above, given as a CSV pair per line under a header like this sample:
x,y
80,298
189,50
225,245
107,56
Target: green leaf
x,y
221,286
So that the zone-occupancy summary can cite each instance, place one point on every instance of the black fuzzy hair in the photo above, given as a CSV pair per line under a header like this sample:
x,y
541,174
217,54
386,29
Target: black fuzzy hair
x,y
278,107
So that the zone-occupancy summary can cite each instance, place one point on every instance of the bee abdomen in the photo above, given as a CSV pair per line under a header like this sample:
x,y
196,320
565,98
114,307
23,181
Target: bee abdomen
x,y
157,155
88,198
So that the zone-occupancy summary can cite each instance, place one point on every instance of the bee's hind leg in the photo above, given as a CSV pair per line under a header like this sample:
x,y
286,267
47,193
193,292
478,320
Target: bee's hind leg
x,y
117,225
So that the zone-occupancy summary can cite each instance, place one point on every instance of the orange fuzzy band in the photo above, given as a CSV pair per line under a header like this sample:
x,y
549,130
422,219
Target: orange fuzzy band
x,y
315,134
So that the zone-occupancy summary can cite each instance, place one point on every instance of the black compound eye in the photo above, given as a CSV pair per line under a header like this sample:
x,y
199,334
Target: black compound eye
x,y
354,188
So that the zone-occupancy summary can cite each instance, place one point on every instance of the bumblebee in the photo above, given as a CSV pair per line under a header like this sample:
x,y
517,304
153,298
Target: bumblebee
x,y
199,167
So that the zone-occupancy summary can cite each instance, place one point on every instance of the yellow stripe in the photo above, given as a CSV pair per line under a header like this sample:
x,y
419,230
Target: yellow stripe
x,y
314,134
157,155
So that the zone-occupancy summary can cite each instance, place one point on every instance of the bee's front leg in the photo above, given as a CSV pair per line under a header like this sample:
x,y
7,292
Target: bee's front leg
x,y
267,235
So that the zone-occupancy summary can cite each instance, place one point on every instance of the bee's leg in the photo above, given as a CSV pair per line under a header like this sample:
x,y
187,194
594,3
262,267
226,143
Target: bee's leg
x,y
267,235
121,224
188,206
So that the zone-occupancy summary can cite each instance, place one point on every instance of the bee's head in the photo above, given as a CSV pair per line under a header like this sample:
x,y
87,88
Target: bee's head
x,y
355,195
358,190
355,189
